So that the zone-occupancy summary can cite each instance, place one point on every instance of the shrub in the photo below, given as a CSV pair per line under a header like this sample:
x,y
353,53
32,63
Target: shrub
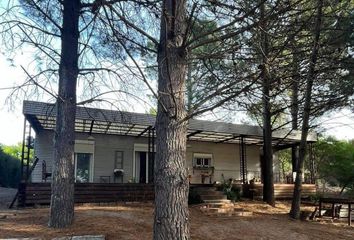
x,y
232,192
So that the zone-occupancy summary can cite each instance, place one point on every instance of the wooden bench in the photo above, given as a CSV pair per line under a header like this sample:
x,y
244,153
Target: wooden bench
x,y
334,201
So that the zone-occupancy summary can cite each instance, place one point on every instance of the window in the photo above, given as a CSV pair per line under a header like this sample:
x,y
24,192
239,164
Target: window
x,y
118,160
118,166
83,167
202,159
84,154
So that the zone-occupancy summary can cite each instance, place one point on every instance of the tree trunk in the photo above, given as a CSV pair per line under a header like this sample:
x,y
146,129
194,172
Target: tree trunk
x,y
171,181
268,180
295,205
62,198
295,105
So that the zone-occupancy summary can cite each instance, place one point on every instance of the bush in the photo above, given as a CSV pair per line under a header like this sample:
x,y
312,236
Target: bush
x,y
10,168
232,192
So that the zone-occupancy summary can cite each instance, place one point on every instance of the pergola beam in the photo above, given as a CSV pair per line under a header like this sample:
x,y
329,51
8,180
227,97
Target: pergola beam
x,y
285,146
107,128
228,139
91,127
144,131
194,133
128,131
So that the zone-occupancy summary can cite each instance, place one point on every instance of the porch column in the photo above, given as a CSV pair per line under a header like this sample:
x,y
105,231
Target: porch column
x,y
26,151
294,158
23,148
243,160
151,155
312,163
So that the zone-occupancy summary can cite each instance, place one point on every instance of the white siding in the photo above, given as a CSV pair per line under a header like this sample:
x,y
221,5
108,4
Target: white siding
x,y
103,157
226,160
225,156
43,149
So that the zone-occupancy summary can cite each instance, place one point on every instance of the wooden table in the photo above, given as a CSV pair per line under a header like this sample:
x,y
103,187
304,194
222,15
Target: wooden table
x,y
334,201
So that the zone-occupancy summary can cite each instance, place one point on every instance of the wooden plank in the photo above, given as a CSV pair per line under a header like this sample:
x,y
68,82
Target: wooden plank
x,y
40,193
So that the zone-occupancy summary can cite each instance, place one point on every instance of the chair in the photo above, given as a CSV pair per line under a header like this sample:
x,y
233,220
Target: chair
x,y
45,174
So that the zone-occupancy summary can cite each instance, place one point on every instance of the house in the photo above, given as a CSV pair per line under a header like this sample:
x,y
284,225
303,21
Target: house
x,y
118,147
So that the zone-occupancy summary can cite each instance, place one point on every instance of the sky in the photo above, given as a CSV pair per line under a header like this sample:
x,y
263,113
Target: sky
x,y
339,124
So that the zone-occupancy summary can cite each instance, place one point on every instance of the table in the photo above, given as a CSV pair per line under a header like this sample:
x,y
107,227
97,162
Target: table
x,y
334,201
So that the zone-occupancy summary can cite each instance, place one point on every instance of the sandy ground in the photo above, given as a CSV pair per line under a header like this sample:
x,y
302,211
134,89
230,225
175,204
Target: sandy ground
x,y
6,196
135,221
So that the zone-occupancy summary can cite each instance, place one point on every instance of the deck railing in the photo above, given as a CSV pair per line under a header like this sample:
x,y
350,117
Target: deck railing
x,y
39,193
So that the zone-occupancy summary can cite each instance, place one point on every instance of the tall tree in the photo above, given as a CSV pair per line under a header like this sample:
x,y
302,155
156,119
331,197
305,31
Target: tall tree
x,y
267,158
178,45
62,197
296,201
171,182
61,35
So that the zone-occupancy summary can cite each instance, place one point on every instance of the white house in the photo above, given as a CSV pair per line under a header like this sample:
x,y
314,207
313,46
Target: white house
x,y
115,146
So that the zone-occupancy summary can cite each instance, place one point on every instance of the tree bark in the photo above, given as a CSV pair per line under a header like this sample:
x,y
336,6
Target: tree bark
x,y
268,180
62,198
295,105
295,205
171,181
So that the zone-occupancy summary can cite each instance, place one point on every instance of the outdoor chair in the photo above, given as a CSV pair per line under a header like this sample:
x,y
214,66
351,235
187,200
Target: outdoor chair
x,y
45,174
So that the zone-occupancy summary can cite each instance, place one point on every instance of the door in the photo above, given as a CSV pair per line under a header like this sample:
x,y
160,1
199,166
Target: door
x,y
83,171
142,171
144,168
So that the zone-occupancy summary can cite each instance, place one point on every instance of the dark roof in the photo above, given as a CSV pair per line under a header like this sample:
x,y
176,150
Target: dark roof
x,y
92,120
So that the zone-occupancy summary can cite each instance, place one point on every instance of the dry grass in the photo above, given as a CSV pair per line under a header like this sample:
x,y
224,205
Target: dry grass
x,y
134,221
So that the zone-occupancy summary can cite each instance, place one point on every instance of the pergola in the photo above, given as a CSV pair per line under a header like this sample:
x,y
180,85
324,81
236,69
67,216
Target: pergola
x,y
41,116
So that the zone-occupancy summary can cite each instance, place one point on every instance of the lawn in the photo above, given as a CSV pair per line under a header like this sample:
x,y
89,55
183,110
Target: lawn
x,y
135,221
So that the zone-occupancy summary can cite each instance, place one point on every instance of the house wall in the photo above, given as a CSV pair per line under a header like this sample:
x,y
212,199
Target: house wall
x,y
226,160
43,149
225,156
105,147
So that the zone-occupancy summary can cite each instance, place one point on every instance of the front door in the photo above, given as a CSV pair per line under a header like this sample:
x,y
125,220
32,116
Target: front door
x,y
144,168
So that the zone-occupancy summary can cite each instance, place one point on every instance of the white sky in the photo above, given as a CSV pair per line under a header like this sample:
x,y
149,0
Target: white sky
x,y
339,124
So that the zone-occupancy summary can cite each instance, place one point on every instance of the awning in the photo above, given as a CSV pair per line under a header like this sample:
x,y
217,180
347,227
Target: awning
x,y
102,121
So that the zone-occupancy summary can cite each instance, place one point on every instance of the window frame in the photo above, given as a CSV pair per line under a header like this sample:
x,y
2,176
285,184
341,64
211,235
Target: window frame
x,y
203,158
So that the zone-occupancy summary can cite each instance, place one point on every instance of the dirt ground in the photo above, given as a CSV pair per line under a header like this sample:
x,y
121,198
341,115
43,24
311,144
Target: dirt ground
x,y
135,221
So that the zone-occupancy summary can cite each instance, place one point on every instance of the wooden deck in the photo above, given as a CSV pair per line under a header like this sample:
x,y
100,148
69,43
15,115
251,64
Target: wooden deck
x,y
282,191
39,193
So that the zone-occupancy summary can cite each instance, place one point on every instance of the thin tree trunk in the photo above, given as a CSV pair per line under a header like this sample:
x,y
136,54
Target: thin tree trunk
x,y
62,198
268,179
171,181
189,87
295,205
295,105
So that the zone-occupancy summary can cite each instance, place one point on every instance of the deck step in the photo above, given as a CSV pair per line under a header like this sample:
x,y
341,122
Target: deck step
x,y
214,193
217,201
204,189
213,197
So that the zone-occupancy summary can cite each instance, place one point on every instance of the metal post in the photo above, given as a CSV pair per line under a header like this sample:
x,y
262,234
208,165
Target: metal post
x,y
23,148
152,165
243,167
312,164
149,154
153,144
28,153
149,142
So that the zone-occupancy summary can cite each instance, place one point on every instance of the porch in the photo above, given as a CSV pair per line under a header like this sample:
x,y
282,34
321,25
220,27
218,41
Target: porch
x,y
31,194
110,141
